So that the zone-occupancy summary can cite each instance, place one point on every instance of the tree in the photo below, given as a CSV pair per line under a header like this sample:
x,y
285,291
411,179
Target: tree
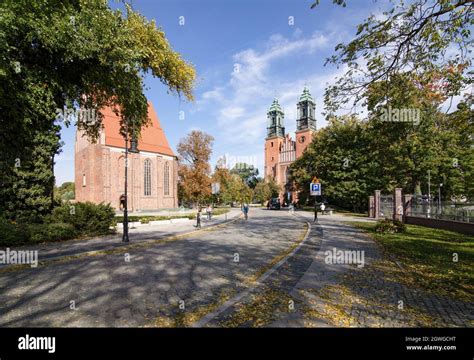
x,y
262,192
275,188
413,57
232,187
194,170
58,54
457,164
65,192
352,158
223,177
248,173
265,190
337,2
338,156
415,38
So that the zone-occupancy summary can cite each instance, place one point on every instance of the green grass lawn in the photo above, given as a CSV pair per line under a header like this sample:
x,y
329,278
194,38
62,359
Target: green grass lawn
x,y
428,256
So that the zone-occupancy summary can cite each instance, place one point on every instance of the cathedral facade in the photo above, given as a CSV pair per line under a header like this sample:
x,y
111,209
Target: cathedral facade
x,y
152,167
280,149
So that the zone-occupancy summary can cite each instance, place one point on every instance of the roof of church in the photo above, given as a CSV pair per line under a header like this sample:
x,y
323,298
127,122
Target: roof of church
x,y
306,96
275,106
152,137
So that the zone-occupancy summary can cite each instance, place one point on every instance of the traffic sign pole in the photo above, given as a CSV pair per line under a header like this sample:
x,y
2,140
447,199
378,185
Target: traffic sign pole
x,y
315,190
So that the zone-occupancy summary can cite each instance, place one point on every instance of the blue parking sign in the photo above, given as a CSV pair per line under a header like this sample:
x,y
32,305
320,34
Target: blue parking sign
x,y
315,189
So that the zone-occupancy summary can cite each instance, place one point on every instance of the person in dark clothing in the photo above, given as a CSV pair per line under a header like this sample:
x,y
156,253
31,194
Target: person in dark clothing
x,y
245,209
198,218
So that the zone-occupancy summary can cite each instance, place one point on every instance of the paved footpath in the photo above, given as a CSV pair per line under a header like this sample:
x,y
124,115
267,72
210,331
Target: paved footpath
x,y
159,285
139,234
347,295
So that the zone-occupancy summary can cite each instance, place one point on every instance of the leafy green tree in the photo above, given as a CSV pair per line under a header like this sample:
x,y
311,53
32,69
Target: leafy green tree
x,y
457,163
414,37
223,177
275,188
265,190
80,53
337,2
262,192
65,192
248,173
339,158
415,57
352,158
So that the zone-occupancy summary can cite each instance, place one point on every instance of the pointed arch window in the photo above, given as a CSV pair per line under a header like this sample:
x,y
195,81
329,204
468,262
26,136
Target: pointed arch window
x,y
147,177
166,179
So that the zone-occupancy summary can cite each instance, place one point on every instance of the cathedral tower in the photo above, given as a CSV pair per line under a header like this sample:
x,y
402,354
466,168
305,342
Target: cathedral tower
x,y
305,122
275,136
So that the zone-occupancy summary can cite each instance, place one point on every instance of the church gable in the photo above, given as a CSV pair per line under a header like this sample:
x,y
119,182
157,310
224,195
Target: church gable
x,y
152,171
152,138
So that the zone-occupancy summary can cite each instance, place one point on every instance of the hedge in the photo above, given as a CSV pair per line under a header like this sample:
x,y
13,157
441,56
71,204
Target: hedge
x,y
67,221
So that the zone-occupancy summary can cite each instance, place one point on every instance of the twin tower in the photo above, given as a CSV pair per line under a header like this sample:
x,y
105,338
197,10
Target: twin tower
x,y
280,149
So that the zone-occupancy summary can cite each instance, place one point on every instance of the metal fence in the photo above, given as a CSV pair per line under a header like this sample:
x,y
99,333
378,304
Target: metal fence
x,y
446,210
386,206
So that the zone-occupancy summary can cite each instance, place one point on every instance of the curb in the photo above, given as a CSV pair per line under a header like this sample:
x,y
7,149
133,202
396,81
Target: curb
x,y
210,316
117,249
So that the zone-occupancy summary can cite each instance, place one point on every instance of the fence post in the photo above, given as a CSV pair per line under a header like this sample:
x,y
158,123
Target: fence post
x,y
407,203
371,207
397,204
377,204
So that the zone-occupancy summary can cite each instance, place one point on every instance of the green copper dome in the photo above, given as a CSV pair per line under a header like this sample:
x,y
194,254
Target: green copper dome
x,y
306,96
275,106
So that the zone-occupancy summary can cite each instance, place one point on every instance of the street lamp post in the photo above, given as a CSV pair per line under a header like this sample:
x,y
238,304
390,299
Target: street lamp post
x,y
133,149
125,205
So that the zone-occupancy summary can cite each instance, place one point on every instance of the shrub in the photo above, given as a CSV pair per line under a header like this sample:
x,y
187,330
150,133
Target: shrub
x,y
87,218
12,234
388,226
49,232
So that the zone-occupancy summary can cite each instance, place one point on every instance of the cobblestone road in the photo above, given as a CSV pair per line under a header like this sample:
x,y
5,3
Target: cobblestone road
x,y
177,283
149,289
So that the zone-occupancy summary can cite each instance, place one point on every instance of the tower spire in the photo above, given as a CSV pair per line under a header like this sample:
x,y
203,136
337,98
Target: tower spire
x,y
306,118
275,117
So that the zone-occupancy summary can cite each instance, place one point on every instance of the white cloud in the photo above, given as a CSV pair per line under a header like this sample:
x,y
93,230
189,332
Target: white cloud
x,y
240,106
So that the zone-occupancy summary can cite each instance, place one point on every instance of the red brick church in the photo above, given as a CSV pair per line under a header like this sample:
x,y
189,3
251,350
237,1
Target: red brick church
x,y
280,149
152,171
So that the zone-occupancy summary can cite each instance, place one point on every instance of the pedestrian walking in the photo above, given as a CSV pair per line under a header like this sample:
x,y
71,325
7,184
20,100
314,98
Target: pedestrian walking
x,y
198,218
208,212
323,207
291,209
245,210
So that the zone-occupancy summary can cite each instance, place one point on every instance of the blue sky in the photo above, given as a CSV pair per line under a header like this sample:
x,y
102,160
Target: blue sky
x,y
246,52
